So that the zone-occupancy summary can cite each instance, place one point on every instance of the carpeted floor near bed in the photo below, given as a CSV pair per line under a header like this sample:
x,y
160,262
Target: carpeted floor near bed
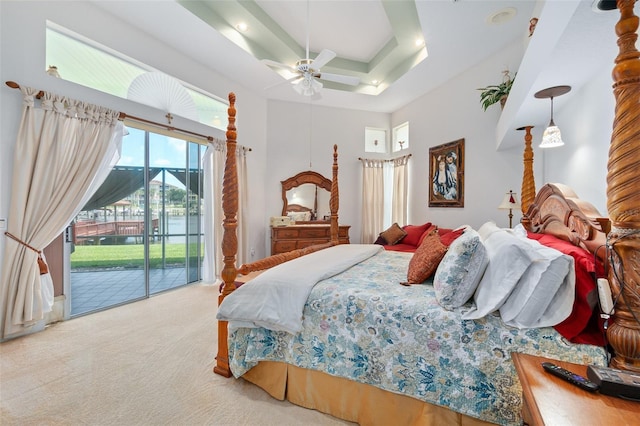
x,y
146,363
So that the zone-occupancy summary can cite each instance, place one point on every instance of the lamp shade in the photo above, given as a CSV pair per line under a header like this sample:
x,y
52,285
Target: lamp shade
x,y
308,86
551,137
510,201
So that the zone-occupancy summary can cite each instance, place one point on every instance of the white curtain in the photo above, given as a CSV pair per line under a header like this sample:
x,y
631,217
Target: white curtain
x,y
372,199
64,151
399,203
214,162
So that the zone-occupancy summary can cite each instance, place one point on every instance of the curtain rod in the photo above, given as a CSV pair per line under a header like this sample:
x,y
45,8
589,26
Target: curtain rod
x,y
124,116
360,158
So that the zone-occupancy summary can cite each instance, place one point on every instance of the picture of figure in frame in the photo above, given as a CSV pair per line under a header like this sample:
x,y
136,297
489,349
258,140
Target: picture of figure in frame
x,y
446,169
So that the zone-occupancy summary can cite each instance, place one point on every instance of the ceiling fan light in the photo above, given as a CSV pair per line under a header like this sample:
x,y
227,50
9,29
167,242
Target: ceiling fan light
x,y
315,85
308,86
551,138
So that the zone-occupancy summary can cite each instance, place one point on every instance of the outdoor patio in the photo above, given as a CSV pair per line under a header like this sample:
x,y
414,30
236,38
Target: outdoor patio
x,y
95,290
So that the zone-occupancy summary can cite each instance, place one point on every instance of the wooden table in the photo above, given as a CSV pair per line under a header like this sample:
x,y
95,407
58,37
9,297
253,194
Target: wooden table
x,y
549,400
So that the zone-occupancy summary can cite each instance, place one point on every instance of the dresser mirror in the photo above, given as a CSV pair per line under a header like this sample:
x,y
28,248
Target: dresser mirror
x,y
305,197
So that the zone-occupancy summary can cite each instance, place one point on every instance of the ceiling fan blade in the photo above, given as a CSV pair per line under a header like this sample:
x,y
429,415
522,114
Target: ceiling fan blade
x,y
344,79
322,59
289,80
279,65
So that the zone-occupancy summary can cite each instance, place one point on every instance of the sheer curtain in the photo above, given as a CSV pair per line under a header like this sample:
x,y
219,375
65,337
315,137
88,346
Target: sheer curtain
x,y
372,199
399,203
214,161
64,151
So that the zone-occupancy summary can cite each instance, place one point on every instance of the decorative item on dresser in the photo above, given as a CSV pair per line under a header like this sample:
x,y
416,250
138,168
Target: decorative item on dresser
x,y
292,237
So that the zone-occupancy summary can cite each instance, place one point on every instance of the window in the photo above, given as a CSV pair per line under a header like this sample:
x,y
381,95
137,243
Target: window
x,y
375,140
85,62
401,137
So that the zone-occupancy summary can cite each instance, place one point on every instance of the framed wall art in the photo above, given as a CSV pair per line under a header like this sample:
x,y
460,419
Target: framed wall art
x,y
446,173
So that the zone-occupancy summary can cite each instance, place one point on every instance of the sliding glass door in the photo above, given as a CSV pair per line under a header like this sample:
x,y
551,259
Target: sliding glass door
x,y
140,234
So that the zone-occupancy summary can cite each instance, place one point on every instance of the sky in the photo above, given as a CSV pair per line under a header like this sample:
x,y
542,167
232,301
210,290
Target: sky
x,y
164,151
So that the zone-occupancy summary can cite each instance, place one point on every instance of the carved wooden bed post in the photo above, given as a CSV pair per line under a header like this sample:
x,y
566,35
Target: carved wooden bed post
x,y
623,195
528,193
229,237
334,201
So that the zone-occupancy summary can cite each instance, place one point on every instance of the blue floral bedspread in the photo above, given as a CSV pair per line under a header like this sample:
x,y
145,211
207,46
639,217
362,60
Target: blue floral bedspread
x,y
365,326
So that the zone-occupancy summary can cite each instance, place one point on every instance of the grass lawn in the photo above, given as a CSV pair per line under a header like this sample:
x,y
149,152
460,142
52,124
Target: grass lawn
x,y
127,256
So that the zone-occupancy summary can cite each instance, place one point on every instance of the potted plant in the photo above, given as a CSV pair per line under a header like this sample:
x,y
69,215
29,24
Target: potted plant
x,y
497,93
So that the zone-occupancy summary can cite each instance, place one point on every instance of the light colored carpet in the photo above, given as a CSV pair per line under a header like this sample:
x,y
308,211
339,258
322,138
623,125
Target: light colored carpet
x,y
146,363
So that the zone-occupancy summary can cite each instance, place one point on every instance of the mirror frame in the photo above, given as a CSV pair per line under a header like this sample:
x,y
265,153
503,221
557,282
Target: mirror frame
x,y
300,179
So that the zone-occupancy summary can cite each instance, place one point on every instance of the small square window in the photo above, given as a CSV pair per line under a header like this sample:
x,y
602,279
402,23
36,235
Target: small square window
x,y
401,137
375,140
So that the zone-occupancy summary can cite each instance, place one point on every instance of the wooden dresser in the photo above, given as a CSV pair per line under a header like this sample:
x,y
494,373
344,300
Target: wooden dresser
x,y
292,237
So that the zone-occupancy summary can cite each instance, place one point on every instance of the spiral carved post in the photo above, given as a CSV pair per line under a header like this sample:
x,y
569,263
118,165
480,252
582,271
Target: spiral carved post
x,y
229,237
623,195
334,201
528,193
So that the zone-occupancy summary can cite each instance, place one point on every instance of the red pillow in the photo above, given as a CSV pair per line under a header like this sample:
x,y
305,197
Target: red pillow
x,y
426,233
426,259
579,326
449,237
414,233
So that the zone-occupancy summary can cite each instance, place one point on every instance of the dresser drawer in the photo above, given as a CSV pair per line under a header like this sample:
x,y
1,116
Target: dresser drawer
x,y
292,237
284,246
314,233
286,232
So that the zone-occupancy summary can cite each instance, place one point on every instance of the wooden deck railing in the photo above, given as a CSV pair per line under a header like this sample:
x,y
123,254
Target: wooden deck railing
x,y
90,230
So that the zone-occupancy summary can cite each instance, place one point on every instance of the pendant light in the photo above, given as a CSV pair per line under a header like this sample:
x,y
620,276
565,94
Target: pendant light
x,y
551,137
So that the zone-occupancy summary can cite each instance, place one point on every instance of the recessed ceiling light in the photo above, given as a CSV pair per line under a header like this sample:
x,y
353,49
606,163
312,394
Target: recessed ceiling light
x,y
242,27
375,82
501,16
419,41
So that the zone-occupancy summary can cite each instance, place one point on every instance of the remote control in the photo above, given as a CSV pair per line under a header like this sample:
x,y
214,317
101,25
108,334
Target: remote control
x,y
575,379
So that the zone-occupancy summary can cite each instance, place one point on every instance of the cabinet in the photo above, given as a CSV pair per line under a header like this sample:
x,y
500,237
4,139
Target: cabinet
x,y
287,238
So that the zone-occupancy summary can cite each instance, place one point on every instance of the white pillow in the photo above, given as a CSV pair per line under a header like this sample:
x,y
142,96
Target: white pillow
x,y
460,271
508,260
487,229
545,293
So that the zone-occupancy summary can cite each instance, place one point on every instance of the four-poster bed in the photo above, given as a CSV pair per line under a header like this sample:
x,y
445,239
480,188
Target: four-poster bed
x,y
261,356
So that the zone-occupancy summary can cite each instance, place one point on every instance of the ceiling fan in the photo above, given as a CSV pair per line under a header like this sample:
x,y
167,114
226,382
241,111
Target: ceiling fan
x,y
306,81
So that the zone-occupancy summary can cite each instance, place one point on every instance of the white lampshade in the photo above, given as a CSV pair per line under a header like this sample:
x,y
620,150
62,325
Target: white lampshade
x,y
551,137
510,201
308,86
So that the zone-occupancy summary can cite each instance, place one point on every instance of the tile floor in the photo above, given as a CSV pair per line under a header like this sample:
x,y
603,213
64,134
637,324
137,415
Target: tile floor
x,y
96,290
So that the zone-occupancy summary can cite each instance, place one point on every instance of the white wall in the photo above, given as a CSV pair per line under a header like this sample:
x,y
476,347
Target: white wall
x,y
22,59
452,112
586,122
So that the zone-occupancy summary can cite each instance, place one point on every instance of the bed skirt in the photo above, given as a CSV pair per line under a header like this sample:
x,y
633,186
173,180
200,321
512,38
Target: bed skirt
x,y
348,400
